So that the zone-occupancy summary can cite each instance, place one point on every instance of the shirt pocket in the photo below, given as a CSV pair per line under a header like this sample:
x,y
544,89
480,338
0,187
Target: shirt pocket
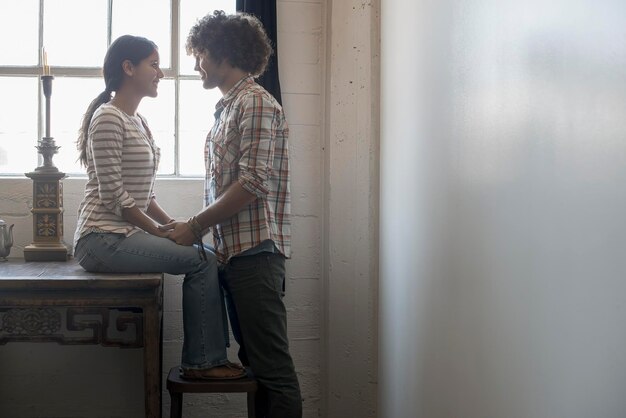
x,y
226,151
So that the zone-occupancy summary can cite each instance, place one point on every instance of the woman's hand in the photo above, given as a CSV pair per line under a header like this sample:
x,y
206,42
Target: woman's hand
x,y
179,232
138,218
160,232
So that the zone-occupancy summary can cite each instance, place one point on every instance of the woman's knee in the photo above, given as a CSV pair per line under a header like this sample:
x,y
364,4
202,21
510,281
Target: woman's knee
x,y
208,260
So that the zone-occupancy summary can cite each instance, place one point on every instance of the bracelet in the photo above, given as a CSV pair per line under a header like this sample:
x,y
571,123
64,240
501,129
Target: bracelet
x,y
195,227
193,221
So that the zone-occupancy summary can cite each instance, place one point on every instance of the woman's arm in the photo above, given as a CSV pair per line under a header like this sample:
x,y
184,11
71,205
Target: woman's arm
x,y
135,216
156,212
106,147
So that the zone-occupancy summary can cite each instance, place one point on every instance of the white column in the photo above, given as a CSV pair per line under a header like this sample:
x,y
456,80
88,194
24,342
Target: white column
x,y
351,208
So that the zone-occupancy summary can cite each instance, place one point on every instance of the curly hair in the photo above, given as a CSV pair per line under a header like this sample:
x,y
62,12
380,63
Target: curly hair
x,y
238,38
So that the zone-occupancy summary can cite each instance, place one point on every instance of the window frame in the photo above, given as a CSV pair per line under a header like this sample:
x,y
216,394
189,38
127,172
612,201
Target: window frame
x,y
170,73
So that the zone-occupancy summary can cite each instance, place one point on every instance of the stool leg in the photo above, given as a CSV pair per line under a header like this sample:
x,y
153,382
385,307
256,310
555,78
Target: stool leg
x,y
176,408
251,406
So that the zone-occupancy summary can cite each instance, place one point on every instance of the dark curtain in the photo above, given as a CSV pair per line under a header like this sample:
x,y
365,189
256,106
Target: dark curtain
x,y
265,11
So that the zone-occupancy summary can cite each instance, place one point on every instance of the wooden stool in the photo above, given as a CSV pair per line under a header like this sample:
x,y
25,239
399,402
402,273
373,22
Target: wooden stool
x,y
177,386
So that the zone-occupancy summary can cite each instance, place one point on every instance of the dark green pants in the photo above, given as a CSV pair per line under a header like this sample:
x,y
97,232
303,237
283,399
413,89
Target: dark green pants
x,y
254,288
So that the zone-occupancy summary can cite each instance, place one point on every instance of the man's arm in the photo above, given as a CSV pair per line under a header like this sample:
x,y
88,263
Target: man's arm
x,y
228,204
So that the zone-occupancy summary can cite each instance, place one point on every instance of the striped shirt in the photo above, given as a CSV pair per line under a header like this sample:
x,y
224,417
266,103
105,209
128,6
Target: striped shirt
x,y
122,161
248,144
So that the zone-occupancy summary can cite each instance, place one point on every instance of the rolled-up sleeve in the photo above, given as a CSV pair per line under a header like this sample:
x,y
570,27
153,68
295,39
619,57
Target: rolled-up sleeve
x,y
107,141
258,121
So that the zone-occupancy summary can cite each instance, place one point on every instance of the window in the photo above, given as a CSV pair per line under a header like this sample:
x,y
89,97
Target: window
x,y
75,44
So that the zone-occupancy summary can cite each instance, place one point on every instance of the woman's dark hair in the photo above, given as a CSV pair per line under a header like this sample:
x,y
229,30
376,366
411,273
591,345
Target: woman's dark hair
x,y
239,38
126,47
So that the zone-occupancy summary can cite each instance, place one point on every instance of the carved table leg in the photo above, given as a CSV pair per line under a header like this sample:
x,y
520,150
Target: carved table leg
x,y
152,368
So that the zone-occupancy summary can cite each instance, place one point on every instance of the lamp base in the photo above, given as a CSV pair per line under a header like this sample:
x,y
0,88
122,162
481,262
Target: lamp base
x,y
38,252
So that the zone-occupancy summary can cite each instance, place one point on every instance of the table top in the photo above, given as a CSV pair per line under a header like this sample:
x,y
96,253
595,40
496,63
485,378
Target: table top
x,y
17,273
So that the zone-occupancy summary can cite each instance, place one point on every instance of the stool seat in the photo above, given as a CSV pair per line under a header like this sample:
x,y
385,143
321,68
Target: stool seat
x,y
176,386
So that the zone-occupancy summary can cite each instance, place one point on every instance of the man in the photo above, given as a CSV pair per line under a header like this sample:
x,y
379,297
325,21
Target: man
x,y
247,201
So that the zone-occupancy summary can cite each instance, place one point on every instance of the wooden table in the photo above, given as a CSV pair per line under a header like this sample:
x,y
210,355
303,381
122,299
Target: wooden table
x,y
33,295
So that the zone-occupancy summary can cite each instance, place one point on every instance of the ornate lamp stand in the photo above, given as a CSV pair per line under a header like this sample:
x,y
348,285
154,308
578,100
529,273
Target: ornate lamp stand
x,y
47,208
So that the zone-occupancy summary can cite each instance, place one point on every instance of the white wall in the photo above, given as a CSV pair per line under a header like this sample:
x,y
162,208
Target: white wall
x,y
50,380
351,208
503,167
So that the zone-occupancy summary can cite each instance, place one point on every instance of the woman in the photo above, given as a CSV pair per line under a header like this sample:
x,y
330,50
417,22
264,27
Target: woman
x,y
119,217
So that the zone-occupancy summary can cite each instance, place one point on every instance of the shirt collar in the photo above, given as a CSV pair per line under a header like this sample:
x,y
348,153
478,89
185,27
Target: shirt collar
x,y
234,91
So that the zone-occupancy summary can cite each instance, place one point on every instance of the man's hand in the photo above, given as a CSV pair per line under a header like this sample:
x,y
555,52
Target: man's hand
x,y
179,232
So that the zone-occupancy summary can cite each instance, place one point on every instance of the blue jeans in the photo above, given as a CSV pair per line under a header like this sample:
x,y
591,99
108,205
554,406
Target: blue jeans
x,y
204,319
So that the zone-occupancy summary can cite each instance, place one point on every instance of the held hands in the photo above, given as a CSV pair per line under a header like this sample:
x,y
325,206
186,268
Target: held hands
x,y
179,232
156,230
161,233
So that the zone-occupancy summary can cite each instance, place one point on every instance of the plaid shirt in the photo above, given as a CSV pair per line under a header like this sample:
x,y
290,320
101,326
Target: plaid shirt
x,y
248,144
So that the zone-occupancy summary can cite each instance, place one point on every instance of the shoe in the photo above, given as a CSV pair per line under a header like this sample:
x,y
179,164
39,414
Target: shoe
x,y
236,365
226,371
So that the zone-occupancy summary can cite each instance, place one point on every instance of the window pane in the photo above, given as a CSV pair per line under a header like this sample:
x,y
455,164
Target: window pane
x,y
19,18
159,112
154,23
196,108
190,12
18,125
69,101
75,32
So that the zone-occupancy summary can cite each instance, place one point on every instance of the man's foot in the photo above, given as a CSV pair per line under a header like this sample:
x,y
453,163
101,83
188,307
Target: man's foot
x,y
226,371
